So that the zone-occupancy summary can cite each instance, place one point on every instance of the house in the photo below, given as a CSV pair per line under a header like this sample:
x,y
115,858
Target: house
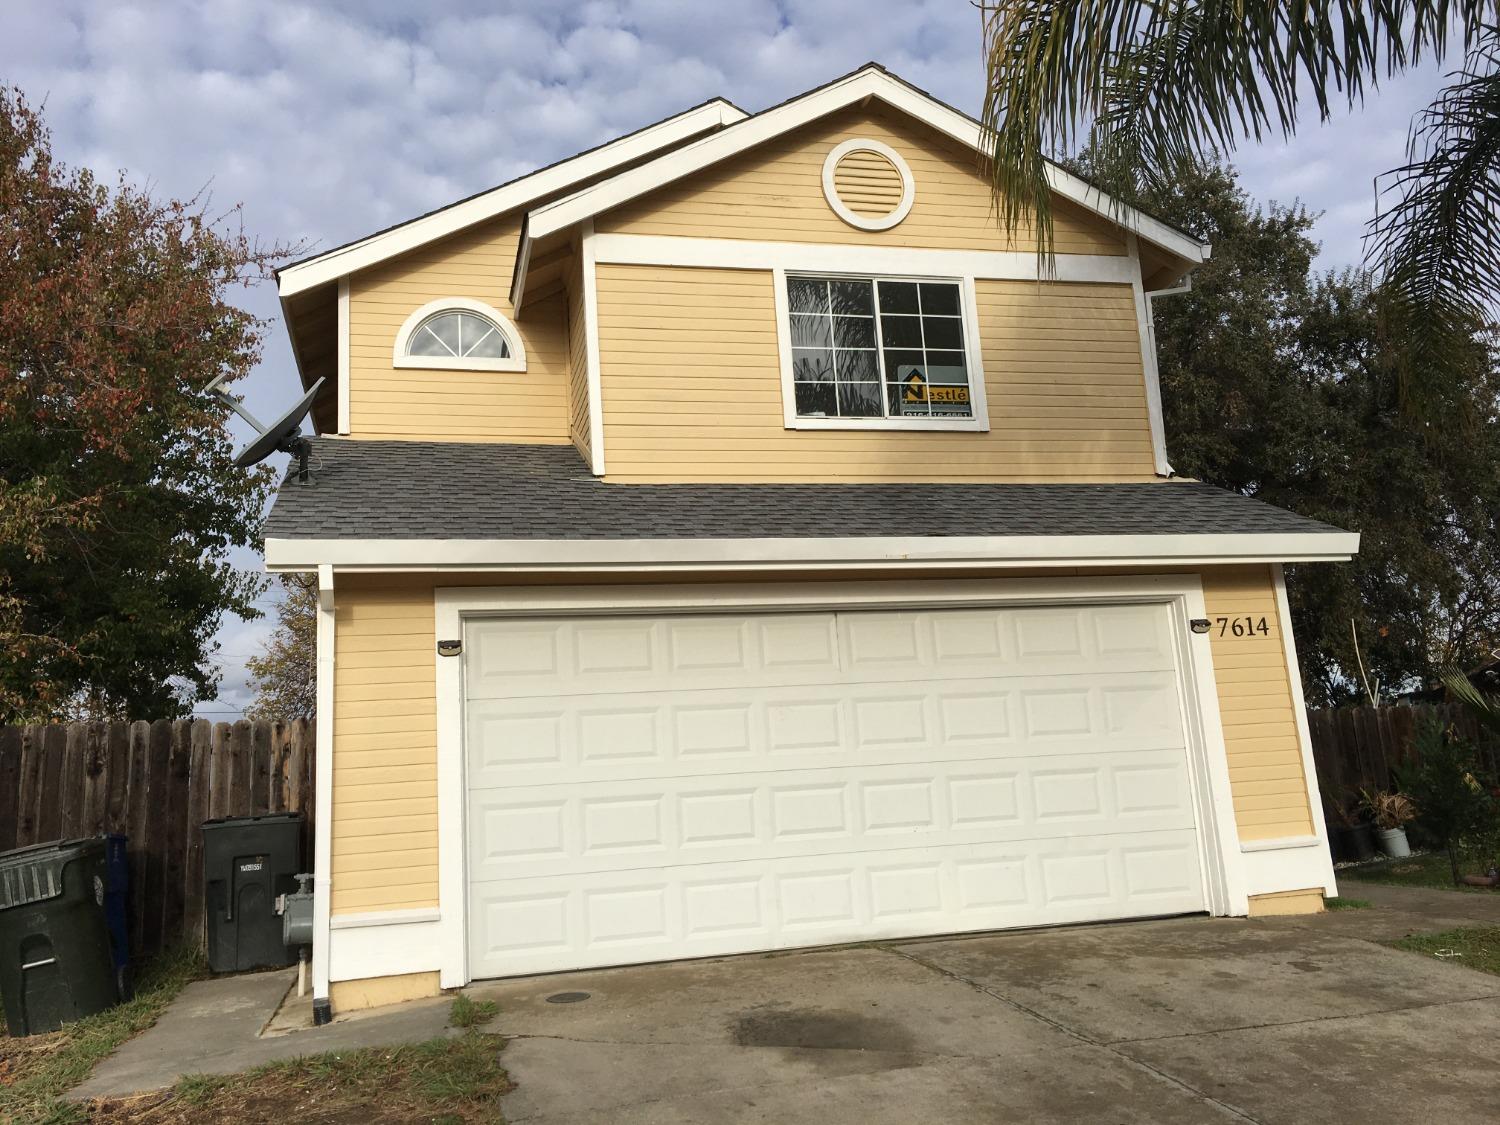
x,y
727,542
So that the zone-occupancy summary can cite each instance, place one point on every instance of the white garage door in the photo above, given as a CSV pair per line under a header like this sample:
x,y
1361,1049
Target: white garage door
x,y
647,788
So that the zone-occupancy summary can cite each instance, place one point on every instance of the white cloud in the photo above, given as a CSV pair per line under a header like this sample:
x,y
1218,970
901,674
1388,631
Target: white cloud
x,y
330,120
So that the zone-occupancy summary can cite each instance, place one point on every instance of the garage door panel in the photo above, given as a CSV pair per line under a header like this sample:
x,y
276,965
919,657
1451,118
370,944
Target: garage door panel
x,y
571,656
556,829
678,786
608,918
723,730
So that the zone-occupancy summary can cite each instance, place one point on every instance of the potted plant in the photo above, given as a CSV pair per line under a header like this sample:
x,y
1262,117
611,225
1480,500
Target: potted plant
x,y
1391,811
1350,836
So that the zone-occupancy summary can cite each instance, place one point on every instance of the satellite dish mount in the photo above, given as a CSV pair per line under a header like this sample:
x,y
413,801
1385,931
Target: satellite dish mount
x,y
282,436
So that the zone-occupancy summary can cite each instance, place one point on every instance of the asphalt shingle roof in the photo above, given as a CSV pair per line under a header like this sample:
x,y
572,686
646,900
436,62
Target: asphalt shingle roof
x,y
446,490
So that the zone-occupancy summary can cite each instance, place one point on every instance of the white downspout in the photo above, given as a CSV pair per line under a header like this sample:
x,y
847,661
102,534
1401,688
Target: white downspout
x,y
323,801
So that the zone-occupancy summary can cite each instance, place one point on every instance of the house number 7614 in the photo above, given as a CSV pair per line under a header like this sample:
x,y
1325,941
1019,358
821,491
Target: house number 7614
x,y
1242,626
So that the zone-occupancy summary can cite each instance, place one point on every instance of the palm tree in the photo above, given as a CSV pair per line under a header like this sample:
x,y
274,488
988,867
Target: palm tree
x,y
1153,83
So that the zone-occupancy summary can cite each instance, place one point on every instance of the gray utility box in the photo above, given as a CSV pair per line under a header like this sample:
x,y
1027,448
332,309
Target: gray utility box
x,y
249,861
56,960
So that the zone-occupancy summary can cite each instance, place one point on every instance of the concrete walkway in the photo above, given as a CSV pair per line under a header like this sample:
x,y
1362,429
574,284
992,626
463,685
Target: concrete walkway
x,y
215,1027
1282,1020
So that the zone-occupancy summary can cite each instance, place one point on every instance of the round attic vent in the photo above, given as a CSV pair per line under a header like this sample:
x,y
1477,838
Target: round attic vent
x,y
867,184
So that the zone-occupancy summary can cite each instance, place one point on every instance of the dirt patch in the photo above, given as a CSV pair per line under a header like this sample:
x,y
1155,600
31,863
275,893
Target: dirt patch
x,y
451,1079
821,1029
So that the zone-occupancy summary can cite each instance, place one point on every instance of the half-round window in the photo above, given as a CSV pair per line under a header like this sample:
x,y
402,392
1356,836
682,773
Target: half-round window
x,y
459,334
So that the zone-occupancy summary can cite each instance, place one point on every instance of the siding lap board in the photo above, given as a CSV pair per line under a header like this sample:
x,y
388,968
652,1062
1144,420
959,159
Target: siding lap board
x,y
774,192
1256,707
691,381
433,405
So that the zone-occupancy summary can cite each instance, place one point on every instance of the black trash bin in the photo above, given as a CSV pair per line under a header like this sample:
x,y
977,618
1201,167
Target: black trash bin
x,y
247,862
56,959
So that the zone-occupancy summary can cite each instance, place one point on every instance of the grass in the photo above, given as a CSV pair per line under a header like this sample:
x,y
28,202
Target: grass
x,y
1427,870
1477,947
1339,902
36,1071
454,1080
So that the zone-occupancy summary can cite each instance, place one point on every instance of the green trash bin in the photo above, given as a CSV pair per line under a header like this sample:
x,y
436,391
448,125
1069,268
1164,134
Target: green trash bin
x,y
56,963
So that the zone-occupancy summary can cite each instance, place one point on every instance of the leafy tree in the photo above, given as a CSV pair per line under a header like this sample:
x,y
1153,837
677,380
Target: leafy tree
x,y
119,502
1283,384
285,675
1155,83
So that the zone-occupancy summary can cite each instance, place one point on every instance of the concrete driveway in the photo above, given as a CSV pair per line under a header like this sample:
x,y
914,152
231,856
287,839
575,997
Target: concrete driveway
x,y
1187,1020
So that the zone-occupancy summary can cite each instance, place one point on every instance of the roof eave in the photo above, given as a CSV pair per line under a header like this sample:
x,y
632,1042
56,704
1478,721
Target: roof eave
x,y
770,554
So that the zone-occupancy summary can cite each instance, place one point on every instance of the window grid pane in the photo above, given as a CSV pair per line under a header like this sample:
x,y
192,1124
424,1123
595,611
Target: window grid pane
x,y
843,369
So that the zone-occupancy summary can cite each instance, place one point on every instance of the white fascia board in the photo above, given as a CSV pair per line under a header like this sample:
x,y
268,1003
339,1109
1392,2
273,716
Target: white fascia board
x,y
559,177
668,554
700,154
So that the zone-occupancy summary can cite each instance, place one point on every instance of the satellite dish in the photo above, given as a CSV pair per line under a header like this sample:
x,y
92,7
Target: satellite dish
x,y
283,436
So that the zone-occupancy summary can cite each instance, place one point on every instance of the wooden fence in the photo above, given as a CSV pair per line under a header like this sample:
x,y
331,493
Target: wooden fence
x,y
1356,748
156,783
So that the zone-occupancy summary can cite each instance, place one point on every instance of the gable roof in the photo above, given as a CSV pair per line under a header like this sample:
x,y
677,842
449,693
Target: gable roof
x,y
870,81
362,253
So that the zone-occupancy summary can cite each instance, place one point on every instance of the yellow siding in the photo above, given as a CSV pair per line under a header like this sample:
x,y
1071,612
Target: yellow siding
x,y
376,992
1281,903
774,193
420,404
578,368
692,388
1256,707
385,747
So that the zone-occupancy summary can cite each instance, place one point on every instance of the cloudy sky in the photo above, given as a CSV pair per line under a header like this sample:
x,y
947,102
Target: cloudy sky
x,y
330,120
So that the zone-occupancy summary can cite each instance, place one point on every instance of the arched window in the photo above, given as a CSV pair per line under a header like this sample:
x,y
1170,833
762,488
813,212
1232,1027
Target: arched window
x,y
459,334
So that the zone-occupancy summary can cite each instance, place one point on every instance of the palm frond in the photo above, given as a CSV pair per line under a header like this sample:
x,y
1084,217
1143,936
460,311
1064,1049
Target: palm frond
x,y
1158,80
1437,246
1486,708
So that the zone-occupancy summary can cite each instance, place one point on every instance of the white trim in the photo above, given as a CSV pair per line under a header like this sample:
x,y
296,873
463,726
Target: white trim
x,y
360,952
452,934
345,392
1224,885
663,554
1304,734
323,784
979,417
870,81
1145,329
733,253
384,918
548,181
1281,843
516,361
1286,869
830,189
587,251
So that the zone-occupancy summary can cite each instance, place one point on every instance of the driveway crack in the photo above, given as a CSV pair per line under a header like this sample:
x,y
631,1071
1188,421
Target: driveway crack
x,y
1138,1064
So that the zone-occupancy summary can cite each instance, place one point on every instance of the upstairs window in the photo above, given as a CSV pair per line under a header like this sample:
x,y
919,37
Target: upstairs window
x,y
880,349
459,334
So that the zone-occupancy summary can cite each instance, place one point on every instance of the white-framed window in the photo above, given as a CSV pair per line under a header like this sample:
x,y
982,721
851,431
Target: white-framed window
x,y
459,334
879,352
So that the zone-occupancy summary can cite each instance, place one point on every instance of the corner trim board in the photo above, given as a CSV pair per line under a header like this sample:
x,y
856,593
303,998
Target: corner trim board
x,y
323,801
344,362
587,250
1147,331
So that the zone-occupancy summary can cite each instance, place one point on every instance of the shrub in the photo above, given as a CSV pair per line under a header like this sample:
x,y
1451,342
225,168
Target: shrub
x,y
1451,802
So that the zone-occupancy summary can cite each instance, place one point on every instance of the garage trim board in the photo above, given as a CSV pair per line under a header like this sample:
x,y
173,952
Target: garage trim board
x,y
1181,595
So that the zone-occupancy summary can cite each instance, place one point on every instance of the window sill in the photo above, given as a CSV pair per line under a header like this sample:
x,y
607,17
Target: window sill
x,y
954,425
453,363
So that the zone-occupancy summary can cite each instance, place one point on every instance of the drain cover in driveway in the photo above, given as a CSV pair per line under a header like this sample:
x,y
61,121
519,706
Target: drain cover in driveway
x,y
567,997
